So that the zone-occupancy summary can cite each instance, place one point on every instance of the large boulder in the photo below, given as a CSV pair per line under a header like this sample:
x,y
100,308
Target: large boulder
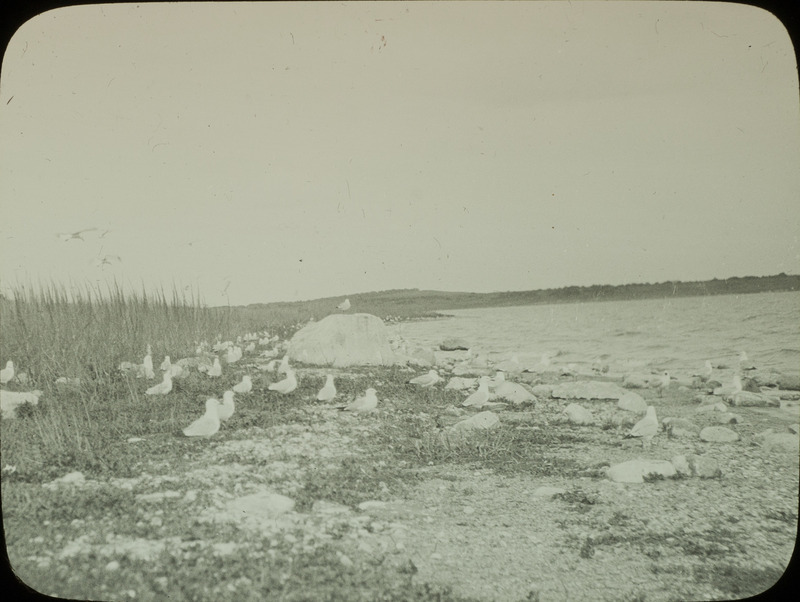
x,y
341,340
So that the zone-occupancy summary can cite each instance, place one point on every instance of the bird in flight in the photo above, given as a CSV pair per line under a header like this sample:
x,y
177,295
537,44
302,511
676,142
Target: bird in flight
x,y
67,236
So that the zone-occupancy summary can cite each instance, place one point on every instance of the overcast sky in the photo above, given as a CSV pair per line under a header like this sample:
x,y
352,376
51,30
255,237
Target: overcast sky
x,y
270,152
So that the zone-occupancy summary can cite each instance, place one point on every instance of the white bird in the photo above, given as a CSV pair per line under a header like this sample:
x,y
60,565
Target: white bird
x,y
647,427
287,385
245,386
162,388
284,366
344,305
660,382
225,409
426,380
233,354
269,366
165,365
327,392
216,369
734,387
744,362
499,379
7,373
208,424
480,397
367,403
250,348
708,369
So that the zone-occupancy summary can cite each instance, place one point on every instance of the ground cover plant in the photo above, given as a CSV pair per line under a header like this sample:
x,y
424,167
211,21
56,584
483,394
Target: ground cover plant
x,y
386,506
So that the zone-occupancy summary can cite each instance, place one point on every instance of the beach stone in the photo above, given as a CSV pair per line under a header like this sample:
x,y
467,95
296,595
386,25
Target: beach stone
x,y
632,402
480,421
460,383
781,442
543,390
371,505
513,392
680,427
547,491
636,381
681,465
787,381
715,407
634,471
588,389
577,414
749,399
423,356
11,400
718,434
341,340
454,345
705,399
703,466
728,418
259,506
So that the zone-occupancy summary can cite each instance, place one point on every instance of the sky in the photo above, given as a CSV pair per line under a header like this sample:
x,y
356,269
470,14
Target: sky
x,y
255,152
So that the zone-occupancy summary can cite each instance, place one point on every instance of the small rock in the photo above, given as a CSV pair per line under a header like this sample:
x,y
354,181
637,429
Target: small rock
x,y
112,566
712,407
454,345
791,382
544,391
680,427
632,402
134,440
718,434
345,560
547,491
781,442
577,414
704,467
326,507
634,471
681,465
480,421
728,418
261,505
749,399
371,504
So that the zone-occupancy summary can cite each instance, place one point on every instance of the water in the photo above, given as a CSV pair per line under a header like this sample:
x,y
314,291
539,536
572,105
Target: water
x,y
676,334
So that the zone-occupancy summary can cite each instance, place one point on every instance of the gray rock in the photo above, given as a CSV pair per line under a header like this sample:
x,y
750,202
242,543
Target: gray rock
x,y
543,390
11,400
728,418
680,427
261,506
341,340
513,392
326,507
703,466
708,407
749,399
781,442
480,421
547,491
577,414
454,345
634,471
681,466
371,505
632,402
787,381
588,389
718,434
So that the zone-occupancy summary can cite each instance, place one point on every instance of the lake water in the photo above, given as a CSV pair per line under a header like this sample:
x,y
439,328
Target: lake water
x,y
676,334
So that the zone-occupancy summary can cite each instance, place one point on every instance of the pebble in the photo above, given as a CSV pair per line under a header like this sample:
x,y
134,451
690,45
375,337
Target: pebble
x,y
112,566
577,414
632,402
718,434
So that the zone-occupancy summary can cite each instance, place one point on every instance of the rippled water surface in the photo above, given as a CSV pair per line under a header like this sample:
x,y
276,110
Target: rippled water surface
x,y
676,334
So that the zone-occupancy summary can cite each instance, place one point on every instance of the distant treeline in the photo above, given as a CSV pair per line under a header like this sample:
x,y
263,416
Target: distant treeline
x,y
415,303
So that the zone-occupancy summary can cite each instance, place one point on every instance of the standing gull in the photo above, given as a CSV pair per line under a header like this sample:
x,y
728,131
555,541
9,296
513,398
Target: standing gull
x,y
287,385
207,424
426,380
216,369
225,409
646,428
245,386
480,397
162,388
344,305
327,392
7,373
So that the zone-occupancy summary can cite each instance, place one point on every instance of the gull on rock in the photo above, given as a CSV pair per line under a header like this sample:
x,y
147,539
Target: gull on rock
x,y
480,397
7,373
344,305
287,385
225,409
245,386
327,392
426,380
208,424
365,404
646,428
162,388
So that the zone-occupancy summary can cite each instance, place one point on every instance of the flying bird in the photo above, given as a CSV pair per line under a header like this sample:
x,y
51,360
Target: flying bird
x,y
7,373
367,403
646,428
66,236
245,386
426,380
287,385
208,424
327,392
344,305
225,409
